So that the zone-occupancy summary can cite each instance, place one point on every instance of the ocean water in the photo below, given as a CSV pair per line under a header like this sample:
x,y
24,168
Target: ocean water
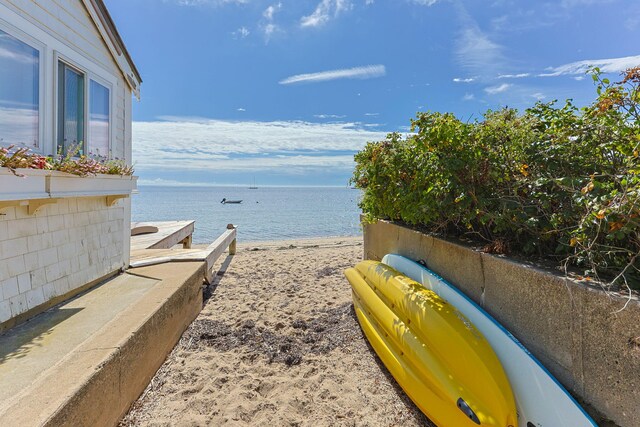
x,y
268,213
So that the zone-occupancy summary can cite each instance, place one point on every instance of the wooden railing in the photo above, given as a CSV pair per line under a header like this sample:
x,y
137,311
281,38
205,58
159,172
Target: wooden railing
x,y
209,255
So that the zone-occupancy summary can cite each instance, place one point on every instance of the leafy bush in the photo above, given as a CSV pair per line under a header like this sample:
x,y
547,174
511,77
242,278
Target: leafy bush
x,y
14,158
555,181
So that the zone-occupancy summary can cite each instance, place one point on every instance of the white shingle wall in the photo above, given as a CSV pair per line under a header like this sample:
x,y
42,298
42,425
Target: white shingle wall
x,y
61,247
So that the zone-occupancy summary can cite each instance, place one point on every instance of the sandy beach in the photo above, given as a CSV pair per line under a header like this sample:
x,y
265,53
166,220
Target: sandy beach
x,y
277,343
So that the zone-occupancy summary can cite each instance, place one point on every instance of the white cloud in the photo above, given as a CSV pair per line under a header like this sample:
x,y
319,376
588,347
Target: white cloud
x,y
271,10
365,72
492,90
207,2
371,114
241,109
612,65
296,163
241,33
24,58
582,3
324,11
461,80
514,76
476,52
329,116
424,2
539,96
468,97
172,183
633,21
178,143
268,27
19,126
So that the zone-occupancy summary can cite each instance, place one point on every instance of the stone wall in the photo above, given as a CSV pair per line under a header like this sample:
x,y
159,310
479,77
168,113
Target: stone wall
x,y
588,339
57,252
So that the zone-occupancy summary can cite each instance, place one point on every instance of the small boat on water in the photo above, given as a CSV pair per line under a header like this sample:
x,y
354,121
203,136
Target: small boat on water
x,y
225,201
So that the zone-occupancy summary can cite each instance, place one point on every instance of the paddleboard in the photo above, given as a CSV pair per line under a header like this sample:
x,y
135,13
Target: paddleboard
x,y
434,352
541,400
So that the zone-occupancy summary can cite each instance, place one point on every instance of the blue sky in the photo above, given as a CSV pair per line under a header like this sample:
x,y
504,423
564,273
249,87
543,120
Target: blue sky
x,y
287,91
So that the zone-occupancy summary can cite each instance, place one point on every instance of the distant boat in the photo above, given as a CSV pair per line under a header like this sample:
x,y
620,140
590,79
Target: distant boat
x,y
253,187
225,201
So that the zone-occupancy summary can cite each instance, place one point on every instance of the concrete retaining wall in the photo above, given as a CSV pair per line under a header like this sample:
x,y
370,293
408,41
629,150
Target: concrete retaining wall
x,y
582,335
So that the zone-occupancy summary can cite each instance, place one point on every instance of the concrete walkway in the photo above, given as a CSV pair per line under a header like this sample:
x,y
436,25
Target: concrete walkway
x,y
83,362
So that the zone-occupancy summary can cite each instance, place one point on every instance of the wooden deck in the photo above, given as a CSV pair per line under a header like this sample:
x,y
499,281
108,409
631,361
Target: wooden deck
x,y
160,247
169,234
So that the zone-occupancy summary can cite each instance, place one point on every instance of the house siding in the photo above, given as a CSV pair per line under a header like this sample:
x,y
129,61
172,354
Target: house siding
x,y
66,245
60,248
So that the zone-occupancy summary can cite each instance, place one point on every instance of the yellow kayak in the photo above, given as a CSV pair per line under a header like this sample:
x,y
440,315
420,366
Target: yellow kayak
x,y
437,356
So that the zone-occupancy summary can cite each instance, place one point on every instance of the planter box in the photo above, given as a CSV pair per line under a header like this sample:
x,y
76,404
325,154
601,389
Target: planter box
x,y
29,186
60,184
36,184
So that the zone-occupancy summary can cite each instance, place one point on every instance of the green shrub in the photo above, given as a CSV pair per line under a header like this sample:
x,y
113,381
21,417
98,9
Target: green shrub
x,y
555,181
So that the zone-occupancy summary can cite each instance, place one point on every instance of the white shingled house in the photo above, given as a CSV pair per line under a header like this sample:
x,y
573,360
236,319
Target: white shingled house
x,y
65,79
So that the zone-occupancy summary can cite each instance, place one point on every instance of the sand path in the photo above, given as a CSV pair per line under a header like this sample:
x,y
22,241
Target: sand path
x,y
277,344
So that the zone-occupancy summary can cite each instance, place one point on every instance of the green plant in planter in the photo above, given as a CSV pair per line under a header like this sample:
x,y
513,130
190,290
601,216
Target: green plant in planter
x,y
21,158
553,181
16,158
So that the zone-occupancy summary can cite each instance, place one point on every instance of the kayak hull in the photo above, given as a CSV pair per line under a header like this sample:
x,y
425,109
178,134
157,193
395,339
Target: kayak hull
x,y
435,354
540,399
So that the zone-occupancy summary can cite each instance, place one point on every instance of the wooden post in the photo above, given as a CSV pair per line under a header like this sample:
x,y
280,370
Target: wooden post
x,y
186,243
232,245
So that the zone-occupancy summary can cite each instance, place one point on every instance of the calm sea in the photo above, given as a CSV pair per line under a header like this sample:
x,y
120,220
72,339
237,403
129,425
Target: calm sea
x,y
268,213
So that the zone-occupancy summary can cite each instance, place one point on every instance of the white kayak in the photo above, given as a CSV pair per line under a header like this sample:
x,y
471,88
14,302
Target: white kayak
x,y
541,401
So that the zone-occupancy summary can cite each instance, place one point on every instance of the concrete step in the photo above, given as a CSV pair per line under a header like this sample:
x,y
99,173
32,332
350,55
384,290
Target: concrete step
x,y
85,361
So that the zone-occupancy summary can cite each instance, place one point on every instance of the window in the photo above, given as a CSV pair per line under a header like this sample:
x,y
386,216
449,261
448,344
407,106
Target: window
x,y
98,119
53,98
71,111
19,92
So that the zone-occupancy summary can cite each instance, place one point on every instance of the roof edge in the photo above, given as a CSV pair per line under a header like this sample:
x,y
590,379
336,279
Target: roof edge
x,y
107,28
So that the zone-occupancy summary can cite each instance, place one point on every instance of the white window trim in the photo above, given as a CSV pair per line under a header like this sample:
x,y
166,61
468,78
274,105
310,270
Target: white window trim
x,y
51,49
89,74
42,60
56,113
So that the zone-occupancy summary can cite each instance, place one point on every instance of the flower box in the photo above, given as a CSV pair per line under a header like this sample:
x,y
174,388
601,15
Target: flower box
x,y
23,185
60,184
36,187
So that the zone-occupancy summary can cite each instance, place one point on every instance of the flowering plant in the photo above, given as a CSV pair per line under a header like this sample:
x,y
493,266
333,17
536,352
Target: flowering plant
x,y
14,158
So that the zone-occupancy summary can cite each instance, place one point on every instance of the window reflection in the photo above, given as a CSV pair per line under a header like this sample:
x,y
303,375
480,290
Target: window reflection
x,y
19,92
70,110
98,119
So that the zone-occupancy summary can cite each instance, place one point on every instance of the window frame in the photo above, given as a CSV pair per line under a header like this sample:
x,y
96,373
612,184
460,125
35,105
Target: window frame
x,y
89,73
41,47
56,94
51,48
